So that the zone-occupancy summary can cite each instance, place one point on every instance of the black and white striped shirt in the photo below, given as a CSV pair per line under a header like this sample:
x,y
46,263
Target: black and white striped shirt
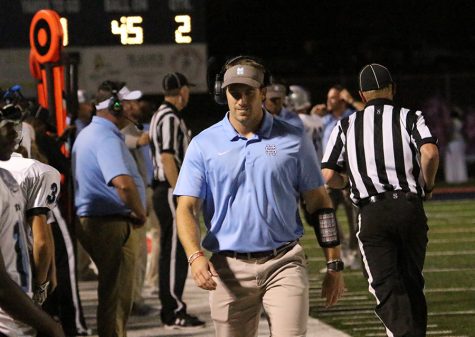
x,y
168,133
379,147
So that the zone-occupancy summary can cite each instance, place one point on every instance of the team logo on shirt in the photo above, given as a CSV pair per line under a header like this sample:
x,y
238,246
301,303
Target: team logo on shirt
x,y
271,150
9,181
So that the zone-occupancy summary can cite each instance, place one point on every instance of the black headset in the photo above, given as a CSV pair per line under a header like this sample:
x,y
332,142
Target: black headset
x,y
115,106
220,93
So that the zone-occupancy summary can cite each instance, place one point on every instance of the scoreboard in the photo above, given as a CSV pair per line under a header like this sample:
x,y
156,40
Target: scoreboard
x,y
137,41
110,22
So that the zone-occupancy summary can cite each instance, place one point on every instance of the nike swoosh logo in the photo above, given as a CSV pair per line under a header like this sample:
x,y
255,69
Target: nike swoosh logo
x,y
223,153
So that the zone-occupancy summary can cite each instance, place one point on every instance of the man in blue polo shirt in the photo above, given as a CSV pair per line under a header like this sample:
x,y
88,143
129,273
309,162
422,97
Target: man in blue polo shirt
x,y
247,173
110,204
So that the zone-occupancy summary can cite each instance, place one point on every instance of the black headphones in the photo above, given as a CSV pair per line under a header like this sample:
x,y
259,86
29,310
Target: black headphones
x,y
220,93
115,106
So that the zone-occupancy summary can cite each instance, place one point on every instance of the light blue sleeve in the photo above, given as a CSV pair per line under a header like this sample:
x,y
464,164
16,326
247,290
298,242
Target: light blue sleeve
x,y
111,157
310,176
192,177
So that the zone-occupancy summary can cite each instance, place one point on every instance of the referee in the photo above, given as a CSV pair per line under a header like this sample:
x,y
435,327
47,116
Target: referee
x,y
391,159
169,138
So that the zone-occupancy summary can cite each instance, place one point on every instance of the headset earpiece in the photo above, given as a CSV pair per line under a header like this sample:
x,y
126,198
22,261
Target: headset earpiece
x,y
115,106
220,93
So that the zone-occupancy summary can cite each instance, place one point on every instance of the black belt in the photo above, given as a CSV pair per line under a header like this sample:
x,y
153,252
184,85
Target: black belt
x,y
389,195
110,217
259,255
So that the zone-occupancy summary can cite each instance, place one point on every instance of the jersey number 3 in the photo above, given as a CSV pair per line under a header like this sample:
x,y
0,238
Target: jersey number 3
x,y
52,197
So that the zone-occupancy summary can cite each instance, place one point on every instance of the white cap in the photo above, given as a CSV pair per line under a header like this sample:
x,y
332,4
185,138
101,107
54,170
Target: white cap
x,y
126,95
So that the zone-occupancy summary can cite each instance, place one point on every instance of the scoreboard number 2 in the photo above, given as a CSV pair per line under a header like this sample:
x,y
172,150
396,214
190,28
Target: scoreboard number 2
x,y
183,29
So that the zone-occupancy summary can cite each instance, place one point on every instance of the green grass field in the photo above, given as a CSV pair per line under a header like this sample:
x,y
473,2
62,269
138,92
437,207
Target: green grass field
x,y
449,273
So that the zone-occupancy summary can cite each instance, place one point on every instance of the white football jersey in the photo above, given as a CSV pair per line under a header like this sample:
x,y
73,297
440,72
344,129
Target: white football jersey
x,y
40,183
313,126
13,246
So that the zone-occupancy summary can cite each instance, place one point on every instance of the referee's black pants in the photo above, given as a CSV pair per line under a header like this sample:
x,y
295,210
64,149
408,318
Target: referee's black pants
x,y
173,265
392,234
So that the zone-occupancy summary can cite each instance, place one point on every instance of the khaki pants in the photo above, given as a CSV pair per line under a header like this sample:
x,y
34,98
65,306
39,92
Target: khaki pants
x,y
112,244
280,285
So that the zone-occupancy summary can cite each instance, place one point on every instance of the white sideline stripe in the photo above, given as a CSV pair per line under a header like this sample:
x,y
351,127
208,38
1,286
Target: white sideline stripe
x,y
426,271
362,313
439,332
348,312
351,323
453,313
358,273
374,322
445,270
451,230
451,253
459,240
443,290
370,328
426,290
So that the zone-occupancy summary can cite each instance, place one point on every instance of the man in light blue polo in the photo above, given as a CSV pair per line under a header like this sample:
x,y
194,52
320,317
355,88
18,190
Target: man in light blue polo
x,y
110,204
247,173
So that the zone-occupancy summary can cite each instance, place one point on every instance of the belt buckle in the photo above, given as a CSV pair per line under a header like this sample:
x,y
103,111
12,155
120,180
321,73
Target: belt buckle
x,y
373,199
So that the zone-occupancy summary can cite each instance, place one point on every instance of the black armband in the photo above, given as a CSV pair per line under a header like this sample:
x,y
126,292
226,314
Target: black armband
x,y
37,211
326,228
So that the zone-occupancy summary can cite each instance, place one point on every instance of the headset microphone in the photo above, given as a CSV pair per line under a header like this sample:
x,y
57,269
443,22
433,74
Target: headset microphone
x,y
137,124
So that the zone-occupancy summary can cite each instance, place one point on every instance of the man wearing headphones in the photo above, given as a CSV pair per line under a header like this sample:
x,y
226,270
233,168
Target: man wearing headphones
x,y
169,140
110,204
247,172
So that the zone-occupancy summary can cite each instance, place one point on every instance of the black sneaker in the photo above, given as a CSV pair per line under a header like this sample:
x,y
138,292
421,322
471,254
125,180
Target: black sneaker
x,y
185,321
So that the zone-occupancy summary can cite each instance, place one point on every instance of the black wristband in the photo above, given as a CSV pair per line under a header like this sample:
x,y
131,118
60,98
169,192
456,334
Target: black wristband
x,y
335,265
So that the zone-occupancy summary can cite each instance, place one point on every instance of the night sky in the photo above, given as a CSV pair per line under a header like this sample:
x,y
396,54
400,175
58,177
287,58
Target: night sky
x,y
330,37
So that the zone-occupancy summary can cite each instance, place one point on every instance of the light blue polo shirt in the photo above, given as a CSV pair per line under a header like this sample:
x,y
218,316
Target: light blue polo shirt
x,y
249,187
99,154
